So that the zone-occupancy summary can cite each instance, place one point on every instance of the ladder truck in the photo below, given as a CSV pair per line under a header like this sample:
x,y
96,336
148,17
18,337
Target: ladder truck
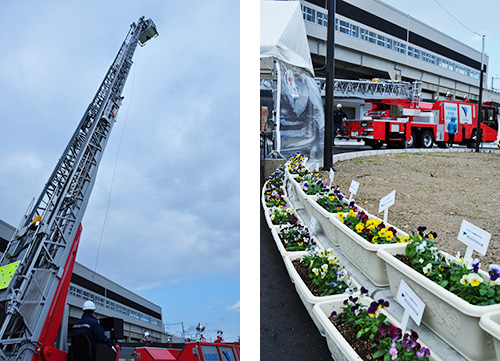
x,y
399,118
36,267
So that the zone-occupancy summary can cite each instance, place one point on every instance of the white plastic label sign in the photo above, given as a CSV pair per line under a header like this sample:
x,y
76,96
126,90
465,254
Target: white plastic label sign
x,y
474,237
332,174
412,304
354,187
387,201
316,167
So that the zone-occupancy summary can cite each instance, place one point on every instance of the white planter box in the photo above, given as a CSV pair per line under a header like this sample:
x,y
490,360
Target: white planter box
x,y
490,322
284,253
267,213
263,197
450,317
328,222
324,219
301,195
340,349
363,254
267,210
308,299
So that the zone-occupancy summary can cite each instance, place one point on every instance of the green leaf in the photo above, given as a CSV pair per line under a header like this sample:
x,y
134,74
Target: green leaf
x,y
379,353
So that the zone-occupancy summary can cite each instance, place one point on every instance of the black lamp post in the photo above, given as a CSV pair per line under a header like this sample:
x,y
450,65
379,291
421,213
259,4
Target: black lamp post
x,y
330,74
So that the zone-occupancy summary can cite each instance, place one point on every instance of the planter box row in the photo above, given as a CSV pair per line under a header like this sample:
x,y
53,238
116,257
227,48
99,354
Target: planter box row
x,y
360,252
474,331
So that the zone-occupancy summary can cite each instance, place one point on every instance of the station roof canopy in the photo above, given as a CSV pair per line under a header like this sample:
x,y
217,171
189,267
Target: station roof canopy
x,y
283,35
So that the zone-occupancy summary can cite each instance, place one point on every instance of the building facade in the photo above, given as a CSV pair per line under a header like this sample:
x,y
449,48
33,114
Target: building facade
x,y
375,40
112,300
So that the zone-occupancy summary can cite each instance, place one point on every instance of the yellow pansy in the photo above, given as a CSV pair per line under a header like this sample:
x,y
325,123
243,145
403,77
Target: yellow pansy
x,y
382,232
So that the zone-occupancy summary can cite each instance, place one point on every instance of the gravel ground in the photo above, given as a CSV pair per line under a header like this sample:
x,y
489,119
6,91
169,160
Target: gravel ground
x,y
436,190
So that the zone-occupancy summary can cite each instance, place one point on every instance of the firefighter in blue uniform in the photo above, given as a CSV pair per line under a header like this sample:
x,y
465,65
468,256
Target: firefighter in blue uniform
x,y
90,326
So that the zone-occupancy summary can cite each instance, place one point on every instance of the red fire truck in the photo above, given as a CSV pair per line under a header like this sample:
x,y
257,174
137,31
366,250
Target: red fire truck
x,y
192,351
409,123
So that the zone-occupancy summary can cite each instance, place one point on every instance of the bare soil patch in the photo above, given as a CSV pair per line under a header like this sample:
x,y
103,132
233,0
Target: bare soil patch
x,y
436,190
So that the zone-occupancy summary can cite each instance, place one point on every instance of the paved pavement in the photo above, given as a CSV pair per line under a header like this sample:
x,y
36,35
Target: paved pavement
x,y
287,332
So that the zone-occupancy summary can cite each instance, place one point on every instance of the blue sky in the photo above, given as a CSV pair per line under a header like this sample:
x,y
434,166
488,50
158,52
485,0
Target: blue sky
x,y
171,170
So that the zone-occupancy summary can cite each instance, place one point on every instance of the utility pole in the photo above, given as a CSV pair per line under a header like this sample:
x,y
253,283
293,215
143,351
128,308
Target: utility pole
x,y
479,107
177,323
330,74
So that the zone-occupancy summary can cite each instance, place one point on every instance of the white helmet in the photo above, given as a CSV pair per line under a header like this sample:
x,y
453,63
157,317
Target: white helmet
x,y
339,105
88,305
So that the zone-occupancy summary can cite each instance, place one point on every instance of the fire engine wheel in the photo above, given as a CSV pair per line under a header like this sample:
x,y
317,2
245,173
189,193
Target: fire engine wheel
x,y
426,139
375,144
411,143
472,142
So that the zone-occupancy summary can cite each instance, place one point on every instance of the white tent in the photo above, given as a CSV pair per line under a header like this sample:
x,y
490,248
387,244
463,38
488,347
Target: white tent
x,y
283,34
286,64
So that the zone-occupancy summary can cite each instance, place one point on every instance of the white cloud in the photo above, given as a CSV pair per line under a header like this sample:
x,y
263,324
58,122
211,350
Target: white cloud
x,y
235,307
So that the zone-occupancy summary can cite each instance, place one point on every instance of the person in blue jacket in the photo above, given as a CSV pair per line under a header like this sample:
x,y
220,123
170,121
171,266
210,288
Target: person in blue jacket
x,y
452,130
90,326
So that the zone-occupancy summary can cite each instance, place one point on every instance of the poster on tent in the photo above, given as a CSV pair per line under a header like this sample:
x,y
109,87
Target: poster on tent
x,y
301,114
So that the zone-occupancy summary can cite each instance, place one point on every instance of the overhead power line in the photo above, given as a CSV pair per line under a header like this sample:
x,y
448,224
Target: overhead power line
x,y
465,26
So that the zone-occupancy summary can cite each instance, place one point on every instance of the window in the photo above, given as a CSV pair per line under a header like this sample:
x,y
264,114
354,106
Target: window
x,y
354,30
322,19
309,14
413,52
399,47
369,36
372,37
343,27
428,57
380,40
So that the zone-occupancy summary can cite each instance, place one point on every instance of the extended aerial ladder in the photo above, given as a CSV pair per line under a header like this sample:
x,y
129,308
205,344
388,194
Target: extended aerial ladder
x,y
36,268
373,89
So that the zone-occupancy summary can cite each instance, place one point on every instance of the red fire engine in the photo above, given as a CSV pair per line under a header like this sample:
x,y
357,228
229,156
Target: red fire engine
x,y
192,351
411,123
